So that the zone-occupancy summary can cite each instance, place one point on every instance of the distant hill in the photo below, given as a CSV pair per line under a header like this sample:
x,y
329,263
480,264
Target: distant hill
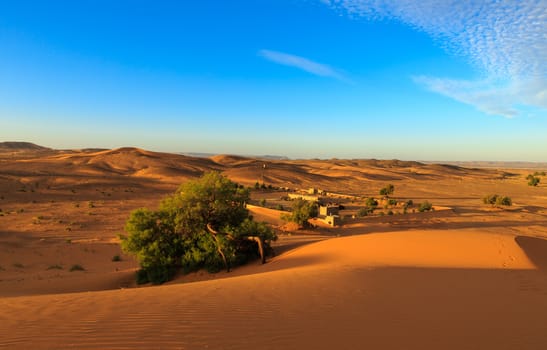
x,y
494,164
210,155
21,146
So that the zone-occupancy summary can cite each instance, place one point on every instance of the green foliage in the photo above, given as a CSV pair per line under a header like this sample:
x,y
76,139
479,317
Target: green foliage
x,y
533,180
279,207
263,202
388,190
539,173
392,201
177,235
495,199
371,202
425,206
504,200
302,210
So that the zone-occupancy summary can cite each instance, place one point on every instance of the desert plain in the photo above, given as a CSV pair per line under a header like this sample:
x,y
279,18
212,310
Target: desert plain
x,y
463,276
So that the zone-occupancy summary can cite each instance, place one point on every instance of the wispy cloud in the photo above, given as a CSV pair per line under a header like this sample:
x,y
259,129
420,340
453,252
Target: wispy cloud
x,y
302,63
505,40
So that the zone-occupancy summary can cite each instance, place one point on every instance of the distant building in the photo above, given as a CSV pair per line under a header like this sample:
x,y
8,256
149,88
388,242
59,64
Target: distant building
x,y
305,197
329,210
333,220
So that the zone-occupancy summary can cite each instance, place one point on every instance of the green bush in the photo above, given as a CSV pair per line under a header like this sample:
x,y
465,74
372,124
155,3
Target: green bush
x,y
392,201
203,225
425,206
371,202
495,199
533,180
503,200
388,190
302,210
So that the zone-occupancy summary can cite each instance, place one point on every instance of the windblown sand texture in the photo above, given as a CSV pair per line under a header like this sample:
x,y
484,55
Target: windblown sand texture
x,y
466,277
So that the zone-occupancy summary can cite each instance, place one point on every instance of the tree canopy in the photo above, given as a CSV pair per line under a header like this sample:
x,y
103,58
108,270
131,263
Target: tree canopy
x,y
388,190
204,224
302,210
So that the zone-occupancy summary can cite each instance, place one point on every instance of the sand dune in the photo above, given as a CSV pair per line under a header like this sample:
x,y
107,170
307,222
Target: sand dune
x,y
468,276
410,290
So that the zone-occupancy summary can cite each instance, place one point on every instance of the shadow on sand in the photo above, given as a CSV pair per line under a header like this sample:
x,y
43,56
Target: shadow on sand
x,y
535,249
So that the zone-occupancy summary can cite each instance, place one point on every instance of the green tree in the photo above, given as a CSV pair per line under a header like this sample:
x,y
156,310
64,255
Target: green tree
x,y
203,225
388,190
533,180
302,210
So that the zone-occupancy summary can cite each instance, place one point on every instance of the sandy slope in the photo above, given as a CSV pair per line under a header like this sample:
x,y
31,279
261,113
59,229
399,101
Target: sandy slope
x,y
469,277
412,290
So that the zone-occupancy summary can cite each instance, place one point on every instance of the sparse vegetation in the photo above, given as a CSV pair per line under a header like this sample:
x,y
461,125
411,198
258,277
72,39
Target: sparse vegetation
x,y
279,207
116,258
371,203
425,206
76,267
55,267
203,225
495,199
302,210
263,202
387,191
533,180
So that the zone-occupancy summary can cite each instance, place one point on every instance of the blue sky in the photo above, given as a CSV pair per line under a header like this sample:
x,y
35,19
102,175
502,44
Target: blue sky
x,y
427,80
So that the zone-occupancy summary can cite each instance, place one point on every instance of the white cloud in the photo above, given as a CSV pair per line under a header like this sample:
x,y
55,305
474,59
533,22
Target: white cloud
x,y
505,40
302,63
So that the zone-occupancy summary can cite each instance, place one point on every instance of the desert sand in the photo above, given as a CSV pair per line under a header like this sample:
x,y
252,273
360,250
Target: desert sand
x,y
465,276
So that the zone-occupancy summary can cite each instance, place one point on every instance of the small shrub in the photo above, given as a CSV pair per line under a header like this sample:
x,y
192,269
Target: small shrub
x,y
533,180
279,207
495,199
76,267
425,206
504,200
116,258
386,191
55,267
18,265
371,202
91,205
68,240
263,202
390,212
392,202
